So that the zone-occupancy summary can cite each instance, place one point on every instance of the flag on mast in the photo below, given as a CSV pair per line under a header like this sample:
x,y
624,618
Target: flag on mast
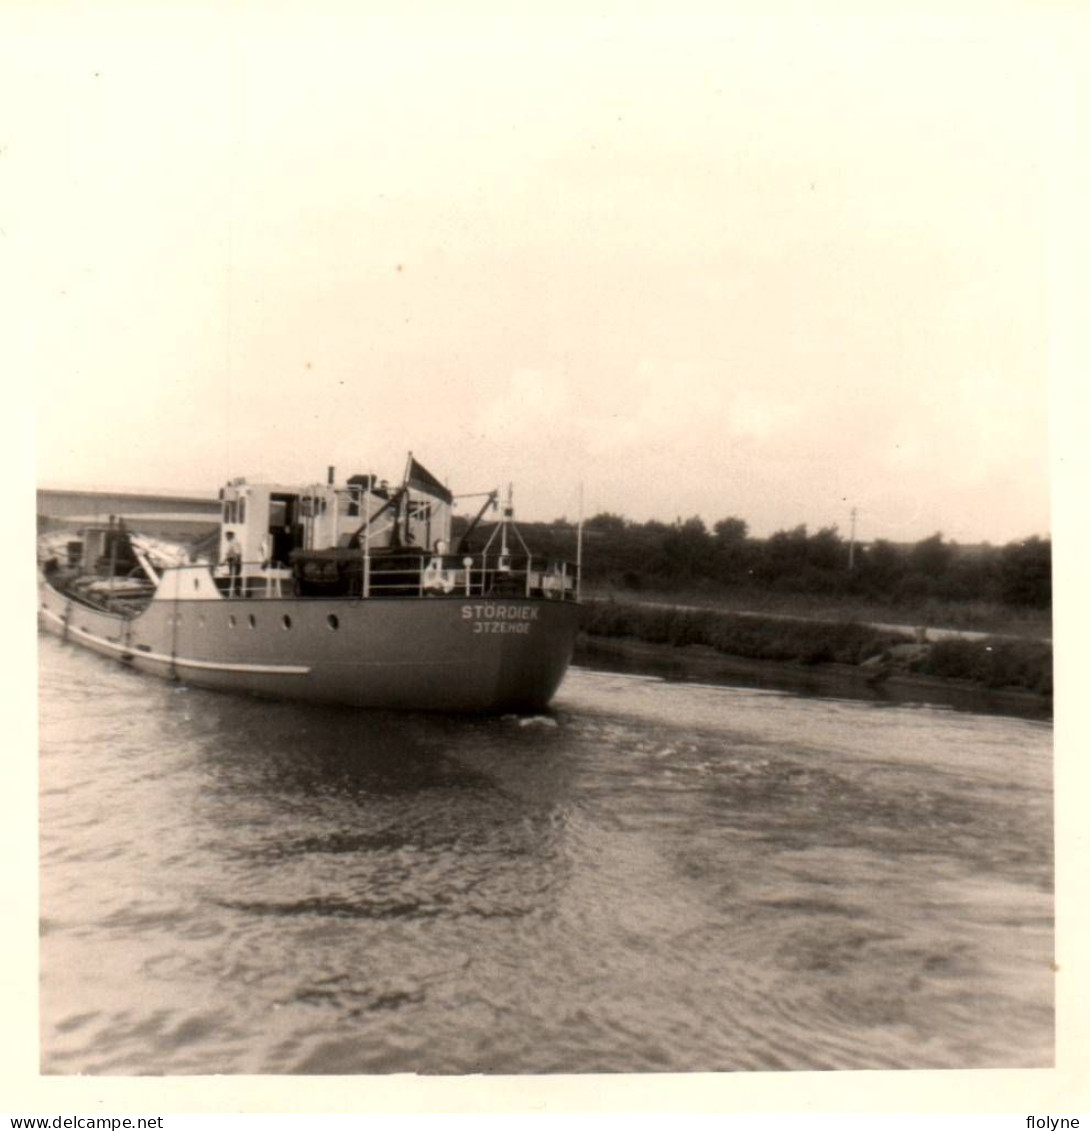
x,y
419,477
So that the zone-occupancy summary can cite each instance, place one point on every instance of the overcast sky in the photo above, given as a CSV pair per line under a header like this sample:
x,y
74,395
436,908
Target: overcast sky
x,y
773,270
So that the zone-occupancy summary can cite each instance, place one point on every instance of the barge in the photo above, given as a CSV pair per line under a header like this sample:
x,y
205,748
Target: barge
x,y
353,594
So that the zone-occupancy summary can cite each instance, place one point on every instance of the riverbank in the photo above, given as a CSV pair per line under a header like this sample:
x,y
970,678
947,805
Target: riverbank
x,y
995,675
969,617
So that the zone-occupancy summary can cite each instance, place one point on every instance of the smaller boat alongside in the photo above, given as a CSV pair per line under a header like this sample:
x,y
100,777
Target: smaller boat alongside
x,y
356,593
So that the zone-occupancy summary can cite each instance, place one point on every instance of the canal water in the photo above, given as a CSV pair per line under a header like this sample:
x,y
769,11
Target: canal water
x,y
656,877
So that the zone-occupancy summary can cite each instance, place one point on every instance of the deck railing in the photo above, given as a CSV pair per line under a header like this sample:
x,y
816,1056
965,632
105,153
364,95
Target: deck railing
x,y
407,576
470,575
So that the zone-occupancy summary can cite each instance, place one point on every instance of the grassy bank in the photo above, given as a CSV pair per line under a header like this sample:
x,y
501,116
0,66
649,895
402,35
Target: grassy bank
x,y
760,638
992,663
973,616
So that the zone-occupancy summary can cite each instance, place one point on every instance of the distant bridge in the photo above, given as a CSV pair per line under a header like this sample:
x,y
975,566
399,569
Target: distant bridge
x,y
178,518
90,505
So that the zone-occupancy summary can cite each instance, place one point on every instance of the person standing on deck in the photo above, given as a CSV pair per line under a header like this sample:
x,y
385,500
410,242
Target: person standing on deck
x,y
232,558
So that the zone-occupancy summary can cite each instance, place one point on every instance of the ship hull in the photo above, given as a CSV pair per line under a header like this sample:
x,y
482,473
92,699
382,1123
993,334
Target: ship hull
x,y
443,653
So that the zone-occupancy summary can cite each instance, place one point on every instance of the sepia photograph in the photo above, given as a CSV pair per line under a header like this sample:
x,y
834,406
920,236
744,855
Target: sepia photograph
x,y
543,532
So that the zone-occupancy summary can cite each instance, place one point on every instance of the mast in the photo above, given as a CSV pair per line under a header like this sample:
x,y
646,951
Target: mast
x,y
505,518
331,483
401,515
579,548
367,537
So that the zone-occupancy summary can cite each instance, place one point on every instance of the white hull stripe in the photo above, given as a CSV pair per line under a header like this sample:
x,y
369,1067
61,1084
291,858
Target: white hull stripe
x,y
178,661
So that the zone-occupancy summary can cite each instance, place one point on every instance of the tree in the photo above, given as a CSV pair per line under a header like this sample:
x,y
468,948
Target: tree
x,y
783,556
1025,573
731,532
733,549
931,556
606,521
686,551
825,550
882,566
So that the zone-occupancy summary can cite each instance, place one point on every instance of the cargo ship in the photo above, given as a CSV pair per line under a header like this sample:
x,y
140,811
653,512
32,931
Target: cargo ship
x,y
353,593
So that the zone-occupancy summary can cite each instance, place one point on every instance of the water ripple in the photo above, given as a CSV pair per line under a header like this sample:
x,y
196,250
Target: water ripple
x,y
660,878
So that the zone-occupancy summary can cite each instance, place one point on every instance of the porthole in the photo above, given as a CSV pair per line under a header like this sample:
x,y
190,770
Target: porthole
x,y
253,621
286,621
231,621
333,622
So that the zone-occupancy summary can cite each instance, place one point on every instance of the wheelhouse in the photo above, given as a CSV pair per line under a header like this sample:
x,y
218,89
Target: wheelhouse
x,y
365,538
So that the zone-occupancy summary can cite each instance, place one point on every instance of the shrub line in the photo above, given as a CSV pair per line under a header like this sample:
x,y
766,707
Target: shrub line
x,y
993,662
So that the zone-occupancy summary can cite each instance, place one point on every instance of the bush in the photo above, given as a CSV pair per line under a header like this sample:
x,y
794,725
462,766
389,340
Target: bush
x,y
762,638
993,662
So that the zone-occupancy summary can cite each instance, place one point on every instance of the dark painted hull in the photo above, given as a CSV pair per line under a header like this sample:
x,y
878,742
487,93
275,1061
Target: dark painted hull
x,y
439,653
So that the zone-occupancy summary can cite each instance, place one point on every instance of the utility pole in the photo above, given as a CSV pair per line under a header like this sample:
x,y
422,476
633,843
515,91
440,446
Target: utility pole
x,y
851,543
